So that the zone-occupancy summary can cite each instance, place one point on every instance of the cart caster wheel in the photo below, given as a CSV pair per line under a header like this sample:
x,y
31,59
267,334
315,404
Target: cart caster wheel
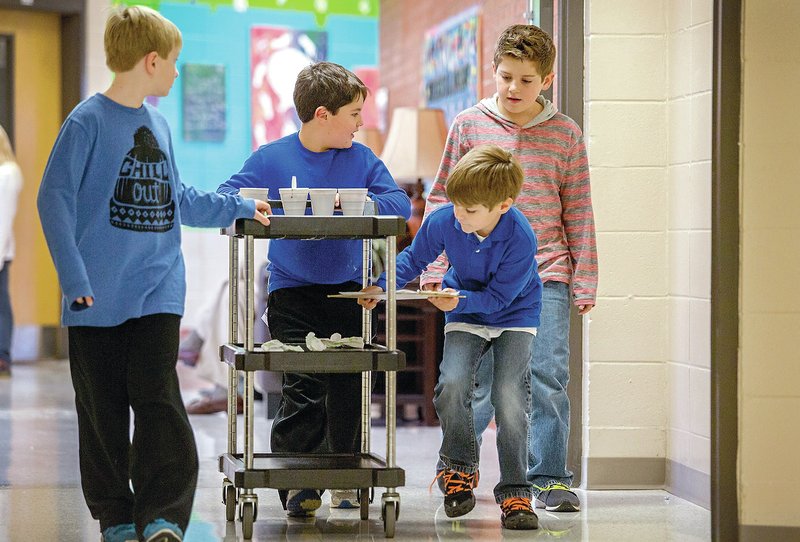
x,y
248,516
389,515
229,499
363,499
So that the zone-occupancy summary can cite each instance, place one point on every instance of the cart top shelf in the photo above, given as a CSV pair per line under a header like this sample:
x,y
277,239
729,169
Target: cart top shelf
x,y
319,227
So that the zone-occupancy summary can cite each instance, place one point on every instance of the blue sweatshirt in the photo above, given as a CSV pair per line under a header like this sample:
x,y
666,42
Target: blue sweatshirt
x,y
302,263
111,205
497,275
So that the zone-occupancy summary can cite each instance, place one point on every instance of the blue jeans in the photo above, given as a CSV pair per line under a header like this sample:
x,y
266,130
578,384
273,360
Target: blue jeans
x,y
510,399
6,317
549,431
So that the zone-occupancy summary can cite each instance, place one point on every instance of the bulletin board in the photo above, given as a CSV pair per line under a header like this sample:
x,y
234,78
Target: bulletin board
x,y
203,102
451,64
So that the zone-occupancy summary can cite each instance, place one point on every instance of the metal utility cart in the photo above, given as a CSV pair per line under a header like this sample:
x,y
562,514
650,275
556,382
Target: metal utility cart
x,y
363,471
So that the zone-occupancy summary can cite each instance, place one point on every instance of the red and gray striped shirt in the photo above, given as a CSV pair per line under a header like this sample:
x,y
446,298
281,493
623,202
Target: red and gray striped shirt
x,y
555,198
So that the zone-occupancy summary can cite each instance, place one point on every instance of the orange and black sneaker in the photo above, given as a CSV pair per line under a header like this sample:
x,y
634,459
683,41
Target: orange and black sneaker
x,y
518,514
458,496
439,481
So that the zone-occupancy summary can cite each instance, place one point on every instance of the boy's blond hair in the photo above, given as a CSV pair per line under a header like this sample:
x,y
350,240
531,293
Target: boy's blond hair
x,y
328,85
486,175
133,32
6,152
527,42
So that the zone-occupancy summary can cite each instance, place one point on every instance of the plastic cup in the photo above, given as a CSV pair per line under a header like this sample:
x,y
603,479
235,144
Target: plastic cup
x,y
254,193
322,201
352,201
294,200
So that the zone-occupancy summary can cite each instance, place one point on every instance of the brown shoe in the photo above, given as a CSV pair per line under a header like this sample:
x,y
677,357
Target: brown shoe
x,y
210,405
5,368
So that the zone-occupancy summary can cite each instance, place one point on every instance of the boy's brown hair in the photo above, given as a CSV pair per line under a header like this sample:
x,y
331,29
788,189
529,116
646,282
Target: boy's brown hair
x,y
486,175
328,85
133,32
527,42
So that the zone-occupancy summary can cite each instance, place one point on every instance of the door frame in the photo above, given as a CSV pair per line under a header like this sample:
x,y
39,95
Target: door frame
x,y
726,120
73,39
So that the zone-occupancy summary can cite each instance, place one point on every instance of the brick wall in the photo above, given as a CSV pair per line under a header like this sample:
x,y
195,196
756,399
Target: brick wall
x,y
402,30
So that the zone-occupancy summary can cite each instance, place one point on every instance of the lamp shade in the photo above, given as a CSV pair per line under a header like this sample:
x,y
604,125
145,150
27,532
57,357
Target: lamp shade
x,y
371,137
414,146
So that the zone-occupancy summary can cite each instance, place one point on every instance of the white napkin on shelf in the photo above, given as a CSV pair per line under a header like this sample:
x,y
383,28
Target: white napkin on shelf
x,y
316,344
277,346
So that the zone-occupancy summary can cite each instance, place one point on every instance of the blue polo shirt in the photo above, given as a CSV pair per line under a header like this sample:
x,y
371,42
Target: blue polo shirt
x,y
497,275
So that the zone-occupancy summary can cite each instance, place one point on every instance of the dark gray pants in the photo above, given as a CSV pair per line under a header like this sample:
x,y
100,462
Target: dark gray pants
x,y
116,369
320,412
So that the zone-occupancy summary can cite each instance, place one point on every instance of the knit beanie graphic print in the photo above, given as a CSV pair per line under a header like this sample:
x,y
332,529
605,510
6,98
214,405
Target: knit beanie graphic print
x,y
142,198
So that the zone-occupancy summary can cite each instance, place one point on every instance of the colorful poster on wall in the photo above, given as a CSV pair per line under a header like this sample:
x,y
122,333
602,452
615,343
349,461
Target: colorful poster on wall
x,y
451,64
370,76
203,102
276,57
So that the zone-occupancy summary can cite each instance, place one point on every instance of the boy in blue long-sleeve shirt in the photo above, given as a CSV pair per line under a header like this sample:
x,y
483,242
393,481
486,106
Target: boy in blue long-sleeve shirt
x,y
111,205
491,249
321,412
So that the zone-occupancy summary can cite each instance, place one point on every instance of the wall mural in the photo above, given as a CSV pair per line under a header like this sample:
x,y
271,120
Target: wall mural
x,y
364,8
222,66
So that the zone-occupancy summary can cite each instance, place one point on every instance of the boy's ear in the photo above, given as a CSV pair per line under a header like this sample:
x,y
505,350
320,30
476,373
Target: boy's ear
x,y
506,205
548,80
150,62
321,113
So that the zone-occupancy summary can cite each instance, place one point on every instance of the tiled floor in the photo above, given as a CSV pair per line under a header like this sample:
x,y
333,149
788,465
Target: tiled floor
x,y
41,501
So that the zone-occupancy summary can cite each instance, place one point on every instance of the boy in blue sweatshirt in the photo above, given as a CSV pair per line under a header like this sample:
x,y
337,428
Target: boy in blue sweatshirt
x,y
319,413
491,249
111,205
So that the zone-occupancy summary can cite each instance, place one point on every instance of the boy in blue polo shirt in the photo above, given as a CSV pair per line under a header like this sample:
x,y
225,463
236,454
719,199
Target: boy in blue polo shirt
x,y
491,249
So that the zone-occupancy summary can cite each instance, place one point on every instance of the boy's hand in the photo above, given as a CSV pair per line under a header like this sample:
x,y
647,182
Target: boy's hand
x,y
369,303
82,303
583,309
432,287
262,209
444,303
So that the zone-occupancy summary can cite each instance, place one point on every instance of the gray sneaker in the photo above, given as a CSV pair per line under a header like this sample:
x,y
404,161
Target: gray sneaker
x,y
557,498
344,498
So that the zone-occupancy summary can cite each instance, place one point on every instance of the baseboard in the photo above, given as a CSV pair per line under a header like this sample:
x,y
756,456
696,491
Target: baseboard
x,y
32,342
689,484
625,472
759,533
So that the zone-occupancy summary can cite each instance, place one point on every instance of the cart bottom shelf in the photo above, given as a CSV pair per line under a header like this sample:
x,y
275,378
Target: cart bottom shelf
x,y
314,471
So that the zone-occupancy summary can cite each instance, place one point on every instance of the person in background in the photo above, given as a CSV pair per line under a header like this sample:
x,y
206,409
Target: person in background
x,y
491,250
556,200
319,413
111,205
10,187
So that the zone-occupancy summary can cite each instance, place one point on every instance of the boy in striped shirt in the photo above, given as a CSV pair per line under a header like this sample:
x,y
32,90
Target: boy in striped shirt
x,y
556,200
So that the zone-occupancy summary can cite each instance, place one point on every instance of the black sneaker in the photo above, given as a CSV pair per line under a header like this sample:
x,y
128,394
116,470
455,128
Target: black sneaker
x,y
439,481
458,496
518,515
303,503
557,498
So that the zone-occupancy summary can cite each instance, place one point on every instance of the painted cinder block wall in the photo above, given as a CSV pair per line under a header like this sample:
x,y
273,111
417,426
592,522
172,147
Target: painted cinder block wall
x,y
769,371
648,111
